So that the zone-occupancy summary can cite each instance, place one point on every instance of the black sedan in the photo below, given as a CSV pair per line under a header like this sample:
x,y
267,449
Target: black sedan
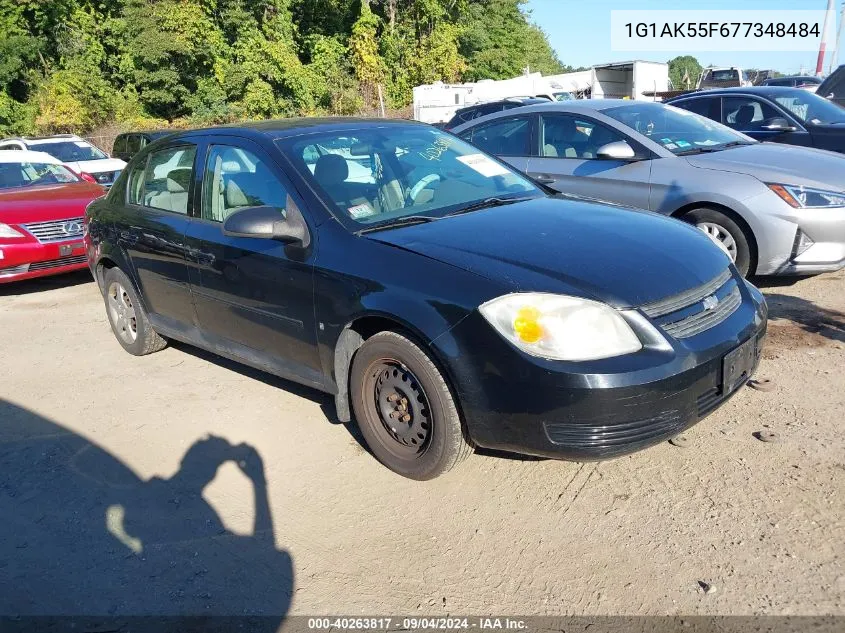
x,y
770,113
441,297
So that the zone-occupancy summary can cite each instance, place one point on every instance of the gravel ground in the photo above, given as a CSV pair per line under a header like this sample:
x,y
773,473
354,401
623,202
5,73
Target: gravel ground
x,y
134,485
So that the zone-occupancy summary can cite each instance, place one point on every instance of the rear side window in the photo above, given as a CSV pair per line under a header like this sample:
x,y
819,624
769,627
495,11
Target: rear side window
x,y
503,137
707,107
165,181
134,144
119,146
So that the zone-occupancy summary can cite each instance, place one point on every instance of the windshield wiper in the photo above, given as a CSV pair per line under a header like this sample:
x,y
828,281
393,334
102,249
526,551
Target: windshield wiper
x,y
402,221
711,148
488,203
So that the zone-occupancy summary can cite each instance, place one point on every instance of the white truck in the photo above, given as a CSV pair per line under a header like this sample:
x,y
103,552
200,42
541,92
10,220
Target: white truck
x,y
629,80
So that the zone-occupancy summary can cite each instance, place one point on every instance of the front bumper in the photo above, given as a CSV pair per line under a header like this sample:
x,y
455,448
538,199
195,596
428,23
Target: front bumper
x,y
597,409
780,233
29,259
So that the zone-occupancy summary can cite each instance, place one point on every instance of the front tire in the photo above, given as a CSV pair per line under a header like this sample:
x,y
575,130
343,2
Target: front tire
x,y
405,409
127,316
724,230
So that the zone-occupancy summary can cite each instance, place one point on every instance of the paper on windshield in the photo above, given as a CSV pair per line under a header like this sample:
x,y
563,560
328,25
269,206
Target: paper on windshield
x,y
483,165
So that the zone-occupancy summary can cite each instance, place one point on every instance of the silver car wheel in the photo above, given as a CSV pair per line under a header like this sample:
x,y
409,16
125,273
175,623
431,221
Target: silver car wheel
x,y
721,236
122,313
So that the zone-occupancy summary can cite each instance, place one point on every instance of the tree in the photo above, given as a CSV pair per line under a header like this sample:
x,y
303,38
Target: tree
x,y
684,72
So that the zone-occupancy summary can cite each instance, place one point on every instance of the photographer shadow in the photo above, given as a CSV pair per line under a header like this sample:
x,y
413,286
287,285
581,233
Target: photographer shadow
x,y
83,536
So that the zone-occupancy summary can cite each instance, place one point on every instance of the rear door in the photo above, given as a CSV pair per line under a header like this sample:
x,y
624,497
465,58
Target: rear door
x,y
710,107
567,161
751,116
508,137
159,203
254,297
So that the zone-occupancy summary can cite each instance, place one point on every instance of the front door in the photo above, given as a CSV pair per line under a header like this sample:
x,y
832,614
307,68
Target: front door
x,y
753,116
158,205
254,297
568,161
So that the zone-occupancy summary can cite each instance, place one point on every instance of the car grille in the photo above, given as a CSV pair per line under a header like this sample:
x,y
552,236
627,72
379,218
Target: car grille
x,y
13,270
106,177
55,231
694,311
58,263
582,436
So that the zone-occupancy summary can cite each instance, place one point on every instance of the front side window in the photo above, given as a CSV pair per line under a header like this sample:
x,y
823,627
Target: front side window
x,y
383,174
811,108
235,179
69,151
502,137
676,130
743,113
164,182
13,175
565,136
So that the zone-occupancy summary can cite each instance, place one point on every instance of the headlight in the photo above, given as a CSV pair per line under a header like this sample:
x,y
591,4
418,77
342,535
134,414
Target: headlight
x,y
800,197
8,231
559,327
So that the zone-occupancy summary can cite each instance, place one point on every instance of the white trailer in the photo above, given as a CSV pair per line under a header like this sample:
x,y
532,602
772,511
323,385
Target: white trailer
x,y
629,80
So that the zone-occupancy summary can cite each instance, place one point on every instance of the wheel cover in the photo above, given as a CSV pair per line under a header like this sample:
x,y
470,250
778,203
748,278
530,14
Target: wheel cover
x,y
720,235
122,313
400,408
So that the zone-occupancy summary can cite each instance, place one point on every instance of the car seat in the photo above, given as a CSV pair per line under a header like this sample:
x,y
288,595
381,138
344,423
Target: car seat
x,y
175,195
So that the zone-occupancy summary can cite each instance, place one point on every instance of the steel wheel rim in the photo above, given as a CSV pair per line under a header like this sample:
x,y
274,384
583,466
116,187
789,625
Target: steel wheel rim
x,y
720,235
399,408
122,313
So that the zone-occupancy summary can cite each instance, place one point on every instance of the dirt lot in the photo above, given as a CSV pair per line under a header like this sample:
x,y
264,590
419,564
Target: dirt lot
x,y
111,502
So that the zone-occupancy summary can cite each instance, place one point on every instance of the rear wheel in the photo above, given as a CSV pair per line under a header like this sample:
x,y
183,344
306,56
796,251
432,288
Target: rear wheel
x,y
127,316
405,409
726,232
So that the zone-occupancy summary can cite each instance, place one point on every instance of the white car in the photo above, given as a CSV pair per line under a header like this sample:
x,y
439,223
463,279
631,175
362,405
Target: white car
x,y
73,151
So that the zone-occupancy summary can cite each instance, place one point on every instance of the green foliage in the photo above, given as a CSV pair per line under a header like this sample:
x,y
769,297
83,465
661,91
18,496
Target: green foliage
x,y
684,72
72,65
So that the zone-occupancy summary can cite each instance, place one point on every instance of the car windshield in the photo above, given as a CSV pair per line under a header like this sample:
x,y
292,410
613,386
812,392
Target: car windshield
x,y
70,151
13,175
677,130
810,108
386,174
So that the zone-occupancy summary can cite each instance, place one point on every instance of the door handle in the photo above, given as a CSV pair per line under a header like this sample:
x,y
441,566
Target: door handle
x,y
545,179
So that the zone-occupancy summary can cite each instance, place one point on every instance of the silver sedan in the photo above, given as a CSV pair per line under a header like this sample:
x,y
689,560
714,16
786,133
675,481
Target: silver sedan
x,y
776,209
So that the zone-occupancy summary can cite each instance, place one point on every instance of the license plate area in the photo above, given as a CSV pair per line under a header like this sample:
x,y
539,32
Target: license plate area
x,y
738,365
66,250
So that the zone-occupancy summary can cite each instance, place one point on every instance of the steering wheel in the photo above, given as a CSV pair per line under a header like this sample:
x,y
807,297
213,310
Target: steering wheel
x,y
421,184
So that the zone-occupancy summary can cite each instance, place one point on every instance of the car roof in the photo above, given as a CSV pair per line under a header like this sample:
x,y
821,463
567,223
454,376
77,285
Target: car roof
x,y
296,126
580,105
26,156
152,133
763,91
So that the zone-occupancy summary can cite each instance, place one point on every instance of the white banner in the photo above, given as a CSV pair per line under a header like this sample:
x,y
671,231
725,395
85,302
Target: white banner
x,y
713,30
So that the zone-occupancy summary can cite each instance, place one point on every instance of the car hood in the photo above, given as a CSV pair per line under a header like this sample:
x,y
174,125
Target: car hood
x,y
780,163
97,166
50,202
612,254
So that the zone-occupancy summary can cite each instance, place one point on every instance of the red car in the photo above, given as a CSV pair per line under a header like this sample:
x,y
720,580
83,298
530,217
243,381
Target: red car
x,y
42,206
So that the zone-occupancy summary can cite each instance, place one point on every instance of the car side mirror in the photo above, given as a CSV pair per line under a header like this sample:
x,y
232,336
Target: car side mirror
x,y
777,124
618,150
269,223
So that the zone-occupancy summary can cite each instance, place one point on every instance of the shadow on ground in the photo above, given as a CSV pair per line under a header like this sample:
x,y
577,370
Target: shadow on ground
x,y
807,322
43,284
82,535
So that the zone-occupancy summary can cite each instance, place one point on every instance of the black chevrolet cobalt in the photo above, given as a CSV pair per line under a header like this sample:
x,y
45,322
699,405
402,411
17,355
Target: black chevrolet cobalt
x,y
446,301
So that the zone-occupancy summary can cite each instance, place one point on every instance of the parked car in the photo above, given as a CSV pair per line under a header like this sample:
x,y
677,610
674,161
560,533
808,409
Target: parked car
x,y
723,78
778,210
806,82
474,111
782,115
127,144
42,204
450,303
833,86
74,152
